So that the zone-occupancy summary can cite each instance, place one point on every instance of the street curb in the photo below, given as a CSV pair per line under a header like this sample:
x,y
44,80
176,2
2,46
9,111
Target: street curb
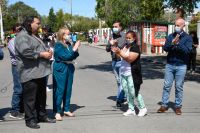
x,y
103,47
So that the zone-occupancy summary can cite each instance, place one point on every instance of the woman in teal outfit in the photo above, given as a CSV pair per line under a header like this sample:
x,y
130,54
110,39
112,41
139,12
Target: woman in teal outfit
x,y
63,72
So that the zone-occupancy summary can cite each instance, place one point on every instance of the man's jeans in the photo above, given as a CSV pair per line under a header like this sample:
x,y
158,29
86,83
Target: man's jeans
x,y
116,69
172,72
17,91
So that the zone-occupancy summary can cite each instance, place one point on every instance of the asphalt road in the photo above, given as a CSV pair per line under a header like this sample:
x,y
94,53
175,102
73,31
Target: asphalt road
x,y
93,100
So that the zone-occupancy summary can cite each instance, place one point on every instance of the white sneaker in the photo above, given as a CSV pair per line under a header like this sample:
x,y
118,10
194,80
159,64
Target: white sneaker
x,y
48,89
142,112
58,117
129,112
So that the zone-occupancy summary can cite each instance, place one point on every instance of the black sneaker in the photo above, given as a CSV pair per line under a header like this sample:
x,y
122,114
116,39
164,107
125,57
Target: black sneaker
x,y
118,104
1,118
32,125
16,115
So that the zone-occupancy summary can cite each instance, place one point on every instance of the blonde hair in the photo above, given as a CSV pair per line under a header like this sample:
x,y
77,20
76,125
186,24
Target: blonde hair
x,y
60,33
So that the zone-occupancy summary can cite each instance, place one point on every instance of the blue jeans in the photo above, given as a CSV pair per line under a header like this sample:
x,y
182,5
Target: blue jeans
x,y
116,69
177,73
17,91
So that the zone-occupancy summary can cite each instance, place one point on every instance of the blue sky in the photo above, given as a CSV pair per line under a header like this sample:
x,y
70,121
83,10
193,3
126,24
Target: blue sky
x,y
79,7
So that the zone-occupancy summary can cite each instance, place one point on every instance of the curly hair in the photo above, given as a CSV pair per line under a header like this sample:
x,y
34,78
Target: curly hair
x,y
27,23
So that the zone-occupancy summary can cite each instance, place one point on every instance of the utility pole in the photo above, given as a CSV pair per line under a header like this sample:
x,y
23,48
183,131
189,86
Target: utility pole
x,y
1,25
106,9
18,19
71,13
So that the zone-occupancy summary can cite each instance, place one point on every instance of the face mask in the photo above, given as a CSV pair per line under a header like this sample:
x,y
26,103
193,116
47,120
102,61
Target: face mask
x,y
177,29
129,41
115,30
67,37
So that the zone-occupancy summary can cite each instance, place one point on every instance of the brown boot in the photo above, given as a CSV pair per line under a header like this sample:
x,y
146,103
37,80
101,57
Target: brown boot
x,y
178,111
162,109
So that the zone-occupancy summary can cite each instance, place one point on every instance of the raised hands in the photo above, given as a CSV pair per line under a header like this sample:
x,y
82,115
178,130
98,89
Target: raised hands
x,y
76,46
176,39
113,42
115,49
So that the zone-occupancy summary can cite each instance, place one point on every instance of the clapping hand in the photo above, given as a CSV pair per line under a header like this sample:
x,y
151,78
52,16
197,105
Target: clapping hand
x,y
113,42
115,49
77,45
176,39
46,54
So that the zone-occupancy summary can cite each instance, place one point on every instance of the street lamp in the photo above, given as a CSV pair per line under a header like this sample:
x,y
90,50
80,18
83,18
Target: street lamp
x,y
1,25
70,22
71,12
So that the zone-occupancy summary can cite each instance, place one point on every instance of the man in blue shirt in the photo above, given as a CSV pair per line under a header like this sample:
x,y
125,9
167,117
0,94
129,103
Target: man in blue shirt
x,y
178,46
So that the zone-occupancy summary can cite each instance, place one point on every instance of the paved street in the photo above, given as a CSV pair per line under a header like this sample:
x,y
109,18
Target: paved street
x,y
93,100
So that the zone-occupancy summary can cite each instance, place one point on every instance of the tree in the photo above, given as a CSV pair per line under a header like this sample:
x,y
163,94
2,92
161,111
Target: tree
x,y
115,10
51,21
4,4
17,13
129,10
187,5
193,24
44,20
151,10
83,24
101,8
60,19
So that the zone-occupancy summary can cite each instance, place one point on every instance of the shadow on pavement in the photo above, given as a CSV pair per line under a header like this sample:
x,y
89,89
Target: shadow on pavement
x,y
75,107
3,112
193,77
104,66
153,67
112,98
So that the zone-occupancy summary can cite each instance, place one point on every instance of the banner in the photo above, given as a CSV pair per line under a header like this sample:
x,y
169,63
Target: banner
x,y
159,34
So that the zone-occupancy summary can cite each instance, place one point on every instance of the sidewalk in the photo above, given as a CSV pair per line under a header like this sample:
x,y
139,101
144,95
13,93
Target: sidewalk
x,y
157,59
103,46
